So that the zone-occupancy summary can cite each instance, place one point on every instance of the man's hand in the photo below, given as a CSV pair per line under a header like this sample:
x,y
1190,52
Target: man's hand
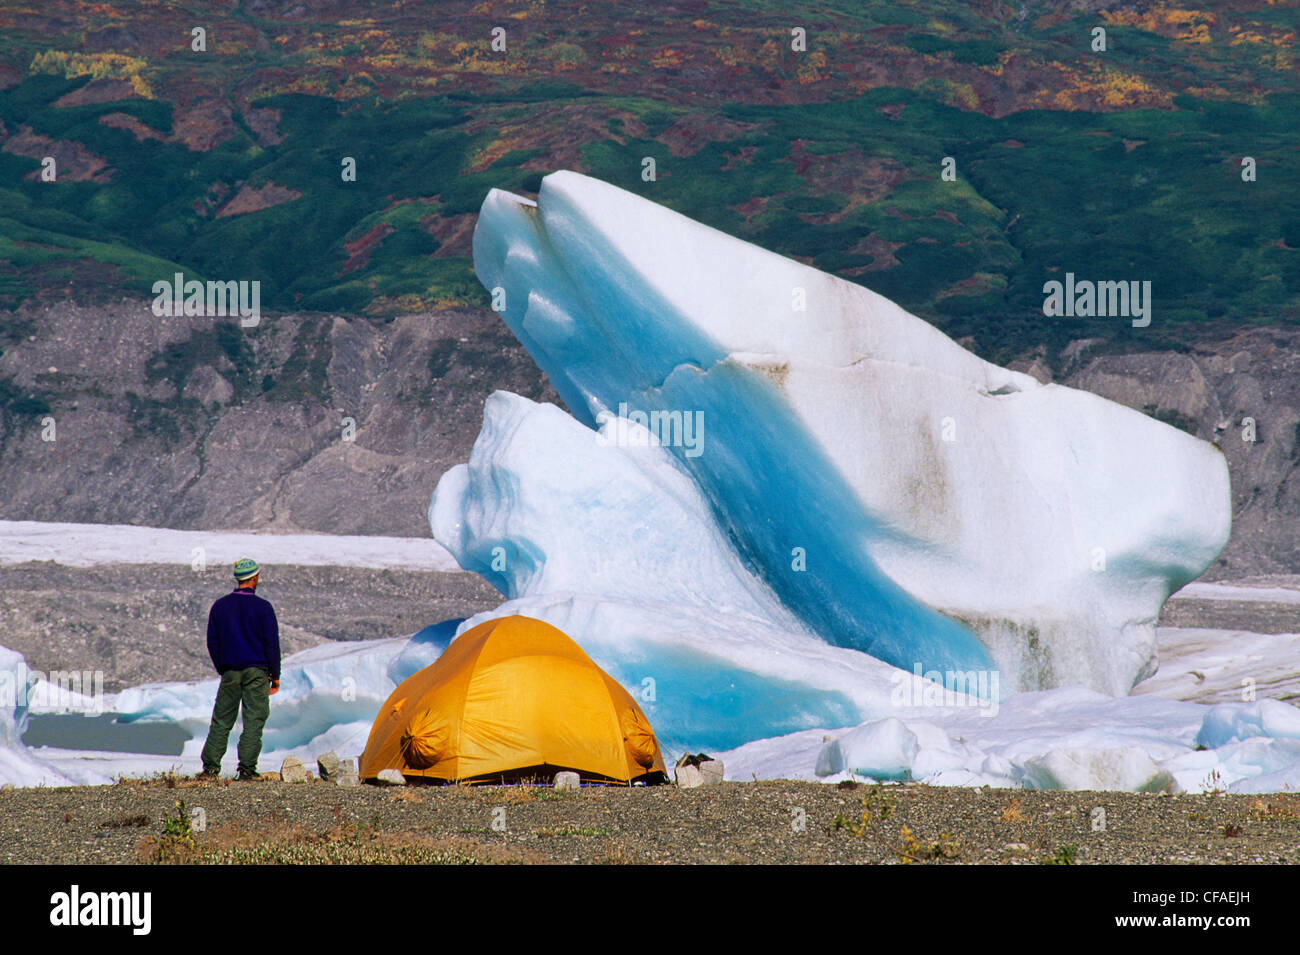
x,y
275,688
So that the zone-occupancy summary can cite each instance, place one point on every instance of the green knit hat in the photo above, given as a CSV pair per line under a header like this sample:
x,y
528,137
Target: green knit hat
x,y
246,568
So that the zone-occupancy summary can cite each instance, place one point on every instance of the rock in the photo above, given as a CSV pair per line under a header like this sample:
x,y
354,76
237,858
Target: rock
x,y
391,777
385,493
7,787
689,777
347,773
328,764
566,781
711,771
293,771
694,771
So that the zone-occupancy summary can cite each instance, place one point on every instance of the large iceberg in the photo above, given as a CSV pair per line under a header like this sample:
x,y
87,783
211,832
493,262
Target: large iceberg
x,y
603,534
894,493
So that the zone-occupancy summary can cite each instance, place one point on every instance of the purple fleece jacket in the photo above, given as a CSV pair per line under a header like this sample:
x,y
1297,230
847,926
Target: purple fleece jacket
x,y
243,632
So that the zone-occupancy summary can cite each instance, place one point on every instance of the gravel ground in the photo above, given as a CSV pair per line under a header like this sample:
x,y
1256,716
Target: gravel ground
x,y
1253,616
269,821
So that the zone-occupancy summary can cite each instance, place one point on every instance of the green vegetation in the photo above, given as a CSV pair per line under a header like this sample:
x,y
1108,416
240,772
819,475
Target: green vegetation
x,y
878,806
1064,855
1100,166
176,844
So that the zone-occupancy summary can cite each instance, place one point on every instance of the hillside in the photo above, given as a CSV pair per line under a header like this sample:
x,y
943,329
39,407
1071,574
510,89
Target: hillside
x,y
227,163
314,422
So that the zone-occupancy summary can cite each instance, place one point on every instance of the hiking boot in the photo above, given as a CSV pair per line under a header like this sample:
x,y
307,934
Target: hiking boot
x,y
248,775
208,774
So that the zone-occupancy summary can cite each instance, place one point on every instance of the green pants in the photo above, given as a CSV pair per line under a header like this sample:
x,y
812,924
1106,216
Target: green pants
x,y
251,687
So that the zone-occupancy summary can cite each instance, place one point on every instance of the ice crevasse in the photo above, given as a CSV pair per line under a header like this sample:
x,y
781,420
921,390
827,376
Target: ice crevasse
x,y
861,481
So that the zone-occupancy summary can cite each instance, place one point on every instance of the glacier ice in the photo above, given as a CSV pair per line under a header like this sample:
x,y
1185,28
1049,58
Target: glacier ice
x,y
544,502
18,764
85,545
1070,738
1228,723
949,512
881,749
423,649
610,541
604,535
1128,768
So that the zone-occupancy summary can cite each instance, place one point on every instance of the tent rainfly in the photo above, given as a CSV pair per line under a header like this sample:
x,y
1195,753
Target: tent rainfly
x,y
509,699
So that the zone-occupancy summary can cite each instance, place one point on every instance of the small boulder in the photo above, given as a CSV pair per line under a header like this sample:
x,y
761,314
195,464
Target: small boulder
x,y
347,773
566,781
328,764
293,771
688,777
391,777
698,770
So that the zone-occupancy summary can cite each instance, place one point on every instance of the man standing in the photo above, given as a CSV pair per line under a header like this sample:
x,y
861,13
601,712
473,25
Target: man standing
x,y
244,643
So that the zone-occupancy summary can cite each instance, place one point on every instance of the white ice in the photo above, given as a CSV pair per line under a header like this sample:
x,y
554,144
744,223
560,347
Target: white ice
x,y
18,764
1047,524
85,545
1054,739
1240,593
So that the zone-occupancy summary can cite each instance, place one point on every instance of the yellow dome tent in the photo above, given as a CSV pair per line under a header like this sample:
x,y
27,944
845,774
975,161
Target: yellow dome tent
x,y
512,698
